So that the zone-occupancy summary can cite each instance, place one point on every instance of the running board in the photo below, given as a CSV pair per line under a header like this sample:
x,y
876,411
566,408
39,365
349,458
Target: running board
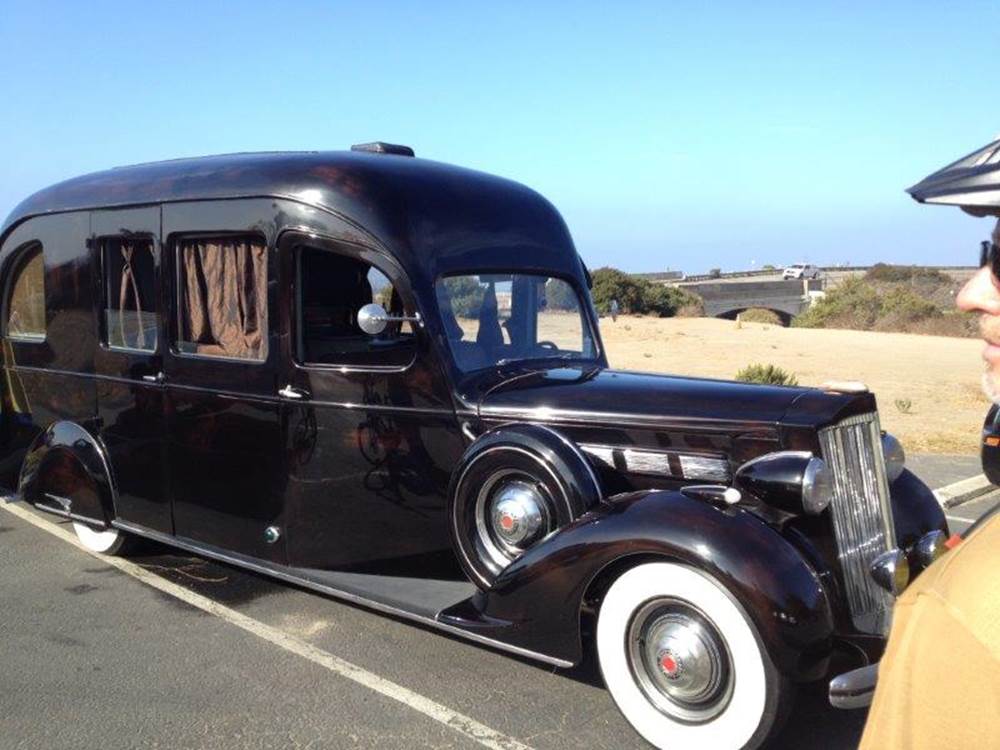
x,y
417,599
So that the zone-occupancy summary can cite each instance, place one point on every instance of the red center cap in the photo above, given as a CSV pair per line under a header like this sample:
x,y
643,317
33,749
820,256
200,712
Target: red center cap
x,y
668,664
506,522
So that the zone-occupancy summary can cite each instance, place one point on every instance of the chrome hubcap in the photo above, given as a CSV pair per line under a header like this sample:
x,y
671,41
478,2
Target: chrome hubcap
x,y
511,515
680,660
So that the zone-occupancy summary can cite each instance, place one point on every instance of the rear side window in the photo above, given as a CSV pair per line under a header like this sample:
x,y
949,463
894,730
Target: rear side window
x,y
222,297
130,320
26,307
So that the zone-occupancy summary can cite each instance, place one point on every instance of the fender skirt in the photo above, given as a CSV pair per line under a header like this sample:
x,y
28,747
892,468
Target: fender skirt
x,y
65,472
537,602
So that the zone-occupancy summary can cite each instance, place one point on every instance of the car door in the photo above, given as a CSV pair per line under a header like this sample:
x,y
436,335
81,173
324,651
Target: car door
x,y
224,453
370,430
125,255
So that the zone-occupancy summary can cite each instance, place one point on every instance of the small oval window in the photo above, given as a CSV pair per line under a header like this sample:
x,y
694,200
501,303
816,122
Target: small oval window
x,y
26,308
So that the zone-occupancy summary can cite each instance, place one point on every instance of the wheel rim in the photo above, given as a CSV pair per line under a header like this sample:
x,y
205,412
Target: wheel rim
x,y
512,513
679,660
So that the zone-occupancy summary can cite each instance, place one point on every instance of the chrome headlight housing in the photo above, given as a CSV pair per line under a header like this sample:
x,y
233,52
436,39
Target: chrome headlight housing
x,y
792,481
895,457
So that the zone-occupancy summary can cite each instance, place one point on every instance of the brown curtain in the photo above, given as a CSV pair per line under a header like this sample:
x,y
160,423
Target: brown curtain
x,y
128,283
225,297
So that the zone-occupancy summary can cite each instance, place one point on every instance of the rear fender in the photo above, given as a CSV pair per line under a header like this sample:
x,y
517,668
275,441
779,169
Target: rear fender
x,y
66,472
537,601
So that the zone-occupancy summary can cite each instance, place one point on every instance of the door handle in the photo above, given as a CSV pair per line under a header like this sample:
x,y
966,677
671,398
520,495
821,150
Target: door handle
x,y
290,391
157,378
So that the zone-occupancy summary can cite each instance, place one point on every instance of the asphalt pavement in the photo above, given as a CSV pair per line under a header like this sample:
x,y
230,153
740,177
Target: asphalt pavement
x,y
91,657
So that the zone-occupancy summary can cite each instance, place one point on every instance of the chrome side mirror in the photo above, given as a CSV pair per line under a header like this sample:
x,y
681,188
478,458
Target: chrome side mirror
x,y
372,318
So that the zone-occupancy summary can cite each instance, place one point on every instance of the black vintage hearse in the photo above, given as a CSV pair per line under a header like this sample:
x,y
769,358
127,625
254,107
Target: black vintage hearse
x,y
382,378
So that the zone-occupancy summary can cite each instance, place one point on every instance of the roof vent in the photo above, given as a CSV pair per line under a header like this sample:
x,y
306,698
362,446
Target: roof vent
x,y
379,147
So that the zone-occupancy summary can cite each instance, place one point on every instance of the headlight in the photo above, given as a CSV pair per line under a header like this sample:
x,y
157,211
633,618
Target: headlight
x,y
793,481
895,457
817,486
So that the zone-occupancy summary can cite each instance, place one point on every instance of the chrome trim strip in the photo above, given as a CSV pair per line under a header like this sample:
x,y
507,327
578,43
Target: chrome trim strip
x,y
62,513
694,466
444,412
276,571
547,414
704,467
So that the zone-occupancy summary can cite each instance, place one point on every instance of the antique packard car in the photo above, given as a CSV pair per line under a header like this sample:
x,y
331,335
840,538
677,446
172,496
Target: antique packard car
x,y
381,378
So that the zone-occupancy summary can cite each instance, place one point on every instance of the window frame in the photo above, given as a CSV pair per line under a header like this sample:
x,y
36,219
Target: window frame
x,y
177,239
105,339
21,257
293,242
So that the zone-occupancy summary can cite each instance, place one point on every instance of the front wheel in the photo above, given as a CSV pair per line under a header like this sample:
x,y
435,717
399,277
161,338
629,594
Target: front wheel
x,y
684,663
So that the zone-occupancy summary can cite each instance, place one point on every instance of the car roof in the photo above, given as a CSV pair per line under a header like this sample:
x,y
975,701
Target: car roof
x,y
410,205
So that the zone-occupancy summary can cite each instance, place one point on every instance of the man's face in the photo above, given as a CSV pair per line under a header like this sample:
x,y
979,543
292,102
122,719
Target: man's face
x,y
982,295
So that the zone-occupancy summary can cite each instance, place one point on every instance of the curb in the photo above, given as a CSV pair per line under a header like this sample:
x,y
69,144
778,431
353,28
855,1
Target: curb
x,y
963,491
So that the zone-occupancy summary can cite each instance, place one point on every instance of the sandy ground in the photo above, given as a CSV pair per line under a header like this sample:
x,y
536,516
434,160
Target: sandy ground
x,y
939,376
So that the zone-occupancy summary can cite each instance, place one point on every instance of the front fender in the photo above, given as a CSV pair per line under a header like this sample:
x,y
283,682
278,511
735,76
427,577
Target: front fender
x,y
915,510
66,472
536,602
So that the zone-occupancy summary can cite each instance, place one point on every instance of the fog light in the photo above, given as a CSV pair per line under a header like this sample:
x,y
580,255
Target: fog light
x,y
930,547
891,571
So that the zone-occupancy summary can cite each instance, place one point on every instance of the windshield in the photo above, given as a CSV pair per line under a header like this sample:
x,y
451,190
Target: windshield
x,y
493,319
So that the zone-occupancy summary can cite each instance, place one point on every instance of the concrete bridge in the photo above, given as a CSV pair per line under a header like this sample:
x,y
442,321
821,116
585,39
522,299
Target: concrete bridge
x,y
726,299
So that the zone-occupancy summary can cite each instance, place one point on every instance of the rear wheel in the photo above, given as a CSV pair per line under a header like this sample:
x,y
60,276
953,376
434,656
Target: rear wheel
x,y
108,541
683,661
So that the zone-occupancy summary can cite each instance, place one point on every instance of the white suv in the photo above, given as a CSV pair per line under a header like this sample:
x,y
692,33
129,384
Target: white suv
x,y
800,271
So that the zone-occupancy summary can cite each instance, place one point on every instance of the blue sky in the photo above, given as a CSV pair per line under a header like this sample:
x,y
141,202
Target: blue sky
x,y
670,135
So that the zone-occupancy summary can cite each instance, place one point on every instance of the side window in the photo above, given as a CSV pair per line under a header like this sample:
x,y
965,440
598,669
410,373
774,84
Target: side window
x,y
26,307
222,297
129,293
331,289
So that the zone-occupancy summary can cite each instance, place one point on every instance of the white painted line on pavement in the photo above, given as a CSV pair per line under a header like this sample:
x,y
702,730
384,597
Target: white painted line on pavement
x,y
960,492
460,723
960,519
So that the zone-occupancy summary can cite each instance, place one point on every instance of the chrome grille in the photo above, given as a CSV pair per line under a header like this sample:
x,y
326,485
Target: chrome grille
x,y
862,514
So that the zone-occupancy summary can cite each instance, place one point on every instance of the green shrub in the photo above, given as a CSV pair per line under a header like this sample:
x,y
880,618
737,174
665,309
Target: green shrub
x,y
766,375
612,284
715,273
884,272
853,304
466,295
638,296
859,305
760,315
560,296
665,301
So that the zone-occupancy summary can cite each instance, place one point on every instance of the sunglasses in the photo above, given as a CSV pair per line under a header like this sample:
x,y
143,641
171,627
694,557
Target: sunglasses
x,y
989,254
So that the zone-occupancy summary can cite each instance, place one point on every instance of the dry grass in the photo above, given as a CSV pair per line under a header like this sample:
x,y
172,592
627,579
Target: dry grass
x,y
938,375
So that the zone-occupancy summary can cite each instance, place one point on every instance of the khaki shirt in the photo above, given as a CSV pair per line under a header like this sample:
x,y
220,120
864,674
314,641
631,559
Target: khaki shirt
x,y
939,681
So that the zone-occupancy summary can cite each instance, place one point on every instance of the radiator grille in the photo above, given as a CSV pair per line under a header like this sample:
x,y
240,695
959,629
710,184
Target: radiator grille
x,y
862,514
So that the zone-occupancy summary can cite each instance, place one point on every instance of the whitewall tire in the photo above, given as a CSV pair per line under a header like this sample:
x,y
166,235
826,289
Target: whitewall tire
x,y
683,661
106,541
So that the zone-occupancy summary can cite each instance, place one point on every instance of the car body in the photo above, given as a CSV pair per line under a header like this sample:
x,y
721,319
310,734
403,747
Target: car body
x,y
199,352
800,271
